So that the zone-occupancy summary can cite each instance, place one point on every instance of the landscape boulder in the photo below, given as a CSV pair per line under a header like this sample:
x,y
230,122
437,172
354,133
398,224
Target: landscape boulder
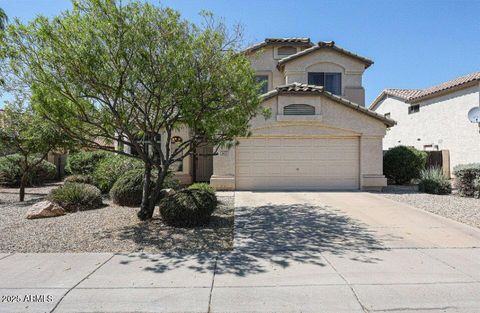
x,y
44,209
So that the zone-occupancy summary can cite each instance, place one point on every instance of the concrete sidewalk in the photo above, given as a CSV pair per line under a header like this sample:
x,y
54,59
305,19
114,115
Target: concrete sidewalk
x,y
294,252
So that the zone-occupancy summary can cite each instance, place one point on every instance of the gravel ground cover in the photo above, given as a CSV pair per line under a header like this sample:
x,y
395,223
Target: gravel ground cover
x,y
109,229
465,210
32,194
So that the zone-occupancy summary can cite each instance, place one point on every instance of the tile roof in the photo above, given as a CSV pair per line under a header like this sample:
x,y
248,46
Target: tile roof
x,y
304,41
416,95
451,84
295,88
325,45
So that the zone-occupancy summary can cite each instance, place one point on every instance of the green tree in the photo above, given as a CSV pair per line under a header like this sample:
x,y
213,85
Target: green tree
x,y
30,135
135,73
3,19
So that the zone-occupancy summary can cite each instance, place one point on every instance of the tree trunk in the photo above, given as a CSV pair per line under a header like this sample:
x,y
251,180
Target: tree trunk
x,y
146,212
23,183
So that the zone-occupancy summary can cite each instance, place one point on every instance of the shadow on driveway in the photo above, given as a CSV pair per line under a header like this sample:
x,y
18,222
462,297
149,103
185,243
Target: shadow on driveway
x,y
282,235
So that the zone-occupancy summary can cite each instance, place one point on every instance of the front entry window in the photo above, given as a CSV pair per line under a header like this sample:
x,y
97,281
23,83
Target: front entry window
x,y
332,82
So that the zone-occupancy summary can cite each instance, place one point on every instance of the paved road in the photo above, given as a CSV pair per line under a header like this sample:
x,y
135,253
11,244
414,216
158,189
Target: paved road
x,y
294,252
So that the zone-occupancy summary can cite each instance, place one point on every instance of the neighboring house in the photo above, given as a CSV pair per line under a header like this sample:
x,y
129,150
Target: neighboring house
x,y
319,135
434,118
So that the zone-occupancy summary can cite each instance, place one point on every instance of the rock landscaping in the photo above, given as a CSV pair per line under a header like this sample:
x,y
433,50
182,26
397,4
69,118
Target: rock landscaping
x,y
112,228
453,206
44,209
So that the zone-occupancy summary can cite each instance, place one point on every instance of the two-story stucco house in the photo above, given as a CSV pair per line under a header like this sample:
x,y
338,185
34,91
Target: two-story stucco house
x,y
434,118
319,135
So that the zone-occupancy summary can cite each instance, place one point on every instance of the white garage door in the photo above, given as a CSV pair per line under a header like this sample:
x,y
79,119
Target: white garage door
x,y
309,164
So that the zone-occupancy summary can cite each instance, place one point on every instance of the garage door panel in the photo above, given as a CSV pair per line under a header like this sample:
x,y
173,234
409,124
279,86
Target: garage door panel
x,y
274,163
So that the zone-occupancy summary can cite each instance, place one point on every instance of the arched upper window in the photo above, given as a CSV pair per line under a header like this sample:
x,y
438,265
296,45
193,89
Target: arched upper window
x,y
286,50
299,109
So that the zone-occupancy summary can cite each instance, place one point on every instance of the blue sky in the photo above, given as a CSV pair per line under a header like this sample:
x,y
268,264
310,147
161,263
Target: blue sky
x,y
414,44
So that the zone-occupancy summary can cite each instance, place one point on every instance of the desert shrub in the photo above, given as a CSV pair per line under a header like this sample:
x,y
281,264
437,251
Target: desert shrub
x,y
11,173
433,181
202,186
188,208
85,162
171,182
466,177
127,190
82,179
402,164
111,167
76,197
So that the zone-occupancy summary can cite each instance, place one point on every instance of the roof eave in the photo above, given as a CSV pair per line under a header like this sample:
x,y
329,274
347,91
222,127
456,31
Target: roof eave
x,y
443,92
388,122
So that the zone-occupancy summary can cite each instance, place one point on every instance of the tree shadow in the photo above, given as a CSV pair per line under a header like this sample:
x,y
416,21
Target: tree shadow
x,y
280,235
154,235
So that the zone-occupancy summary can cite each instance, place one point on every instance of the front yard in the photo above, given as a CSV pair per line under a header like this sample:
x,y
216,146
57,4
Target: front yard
x,y
111,228
461,209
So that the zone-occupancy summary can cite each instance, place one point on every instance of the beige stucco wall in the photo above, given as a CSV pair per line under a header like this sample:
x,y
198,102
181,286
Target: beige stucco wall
x,y
265,61
325,60
331,120
442,121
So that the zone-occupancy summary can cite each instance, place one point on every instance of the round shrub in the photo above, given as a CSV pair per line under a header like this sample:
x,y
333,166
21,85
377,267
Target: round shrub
x,y
82,179
188,208
11,173
76,197
128,189
85,162
433,181
110,168
465,177
402,164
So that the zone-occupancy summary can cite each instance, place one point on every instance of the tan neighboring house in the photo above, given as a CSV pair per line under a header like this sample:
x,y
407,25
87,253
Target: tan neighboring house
x,y
434,118
319,135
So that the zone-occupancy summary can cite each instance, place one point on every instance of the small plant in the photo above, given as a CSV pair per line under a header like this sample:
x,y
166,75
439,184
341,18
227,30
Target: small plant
x,y
402,164
433,181
110,168
171,182
128,189
85,162
76,197
466,179
202,186
82,179
188,208
11,172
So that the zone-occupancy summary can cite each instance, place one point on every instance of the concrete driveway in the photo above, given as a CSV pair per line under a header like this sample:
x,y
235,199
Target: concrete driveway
x,y
294,252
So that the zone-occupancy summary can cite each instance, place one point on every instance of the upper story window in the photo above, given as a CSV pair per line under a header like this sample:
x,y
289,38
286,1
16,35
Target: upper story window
x,y
332,82
414,109
264,80
286,50
298,109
